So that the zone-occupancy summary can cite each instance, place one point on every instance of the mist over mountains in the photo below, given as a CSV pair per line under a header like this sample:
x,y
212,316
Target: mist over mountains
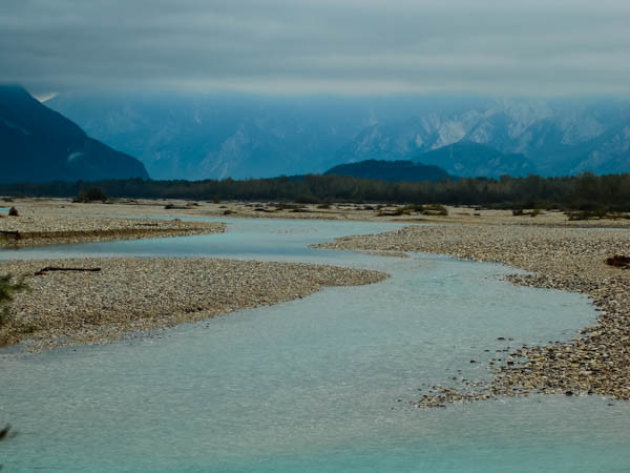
x,y
211,136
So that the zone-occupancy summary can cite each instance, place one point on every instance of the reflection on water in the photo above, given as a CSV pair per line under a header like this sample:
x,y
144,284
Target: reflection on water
x,y
319,384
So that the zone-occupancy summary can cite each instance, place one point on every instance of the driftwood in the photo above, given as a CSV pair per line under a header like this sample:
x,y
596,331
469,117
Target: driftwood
x,y
53,268
619,261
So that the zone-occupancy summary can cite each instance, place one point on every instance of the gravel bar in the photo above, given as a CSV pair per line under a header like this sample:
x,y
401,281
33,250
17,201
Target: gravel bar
x,y
572,259
37,226
133,294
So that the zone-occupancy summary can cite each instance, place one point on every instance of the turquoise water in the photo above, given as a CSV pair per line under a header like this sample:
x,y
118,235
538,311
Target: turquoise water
x,y
321,384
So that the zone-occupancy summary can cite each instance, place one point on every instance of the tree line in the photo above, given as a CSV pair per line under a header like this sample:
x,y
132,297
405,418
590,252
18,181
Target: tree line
x,y
586,192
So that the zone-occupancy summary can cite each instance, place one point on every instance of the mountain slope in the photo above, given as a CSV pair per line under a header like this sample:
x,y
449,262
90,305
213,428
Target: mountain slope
x,y
198,136
214,137
560,137
468,159
39,144
396,171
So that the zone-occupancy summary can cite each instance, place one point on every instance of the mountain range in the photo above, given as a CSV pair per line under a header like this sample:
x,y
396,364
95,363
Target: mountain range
x,y
198,136
467,158
38,144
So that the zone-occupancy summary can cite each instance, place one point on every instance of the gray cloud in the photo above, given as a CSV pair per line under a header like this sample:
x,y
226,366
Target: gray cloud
x,y
304,46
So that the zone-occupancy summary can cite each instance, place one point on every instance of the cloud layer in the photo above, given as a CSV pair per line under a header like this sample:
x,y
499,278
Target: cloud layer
x,y
313,46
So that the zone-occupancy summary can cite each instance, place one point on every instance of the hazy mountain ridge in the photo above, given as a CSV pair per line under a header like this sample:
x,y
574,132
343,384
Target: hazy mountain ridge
x,y
558,141
469,159
215,137
198,137
39,144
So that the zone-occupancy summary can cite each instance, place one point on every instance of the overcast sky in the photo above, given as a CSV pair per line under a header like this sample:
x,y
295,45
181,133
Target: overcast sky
x,y
508,47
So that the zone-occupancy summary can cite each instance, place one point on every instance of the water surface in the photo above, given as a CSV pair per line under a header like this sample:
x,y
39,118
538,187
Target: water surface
x,y
325,383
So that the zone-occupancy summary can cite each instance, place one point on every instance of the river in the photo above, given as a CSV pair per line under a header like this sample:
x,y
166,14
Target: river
x,y
321,384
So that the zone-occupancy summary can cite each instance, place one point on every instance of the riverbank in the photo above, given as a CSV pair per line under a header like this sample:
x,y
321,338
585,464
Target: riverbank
x,y
133,294
46,223
64,209
571,259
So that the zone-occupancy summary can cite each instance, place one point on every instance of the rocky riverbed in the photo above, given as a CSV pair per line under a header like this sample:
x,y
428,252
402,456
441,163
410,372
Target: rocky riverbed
x,y
118,295
572,259
38,225
62,209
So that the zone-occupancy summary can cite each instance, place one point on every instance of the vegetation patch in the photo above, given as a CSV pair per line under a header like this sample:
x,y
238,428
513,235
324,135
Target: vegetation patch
x,y
593,195
8,289
93,194
619,261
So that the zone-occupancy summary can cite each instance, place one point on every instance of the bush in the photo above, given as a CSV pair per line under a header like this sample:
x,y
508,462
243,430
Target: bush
x,y
93,194
619,261
434,209
8,289
598,213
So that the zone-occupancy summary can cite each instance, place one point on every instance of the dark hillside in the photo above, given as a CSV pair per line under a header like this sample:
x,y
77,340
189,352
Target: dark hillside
x,y
38,144
394,171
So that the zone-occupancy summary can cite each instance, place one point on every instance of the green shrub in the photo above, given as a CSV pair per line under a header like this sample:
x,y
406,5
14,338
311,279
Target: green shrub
x,y
8,289
587,214
93,194
434,209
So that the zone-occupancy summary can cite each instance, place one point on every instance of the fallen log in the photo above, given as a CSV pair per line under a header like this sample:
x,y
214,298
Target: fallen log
x,y
54,268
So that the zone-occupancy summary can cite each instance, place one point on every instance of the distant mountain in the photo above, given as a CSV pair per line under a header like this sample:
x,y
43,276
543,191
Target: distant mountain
x,y
469,159
396,171
38,144
197,136
202,137
560,137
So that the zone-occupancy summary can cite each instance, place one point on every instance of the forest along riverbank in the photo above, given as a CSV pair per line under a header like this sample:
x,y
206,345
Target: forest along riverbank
x,y
571,259
128,294
38,225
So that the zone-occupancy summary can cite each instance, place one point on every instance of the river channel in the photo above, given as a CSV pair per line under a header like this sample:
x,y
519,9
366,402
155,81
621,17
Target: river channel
x,y
321,384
